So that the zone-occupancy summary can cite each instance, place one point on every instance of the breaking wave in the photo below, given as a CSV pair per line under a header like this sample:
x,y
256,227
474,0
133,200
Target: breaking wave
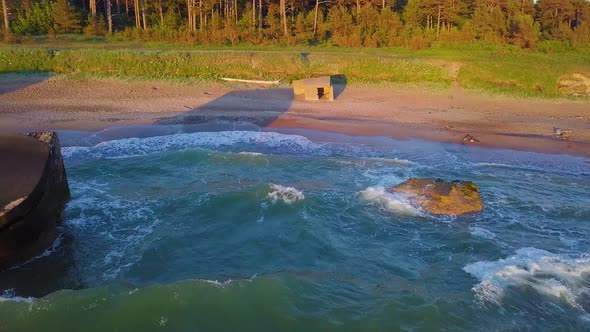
x,y
287,195
391,202
144,146
549,274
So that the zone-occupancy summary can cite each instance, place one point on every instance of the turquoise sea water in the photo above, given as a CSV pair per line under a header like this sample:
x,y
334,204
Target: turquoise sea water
x,y
264,231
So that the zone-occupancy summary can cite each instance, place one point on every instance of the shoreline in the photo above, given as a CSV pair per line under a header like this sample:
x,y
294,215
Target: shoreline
x,y
30,103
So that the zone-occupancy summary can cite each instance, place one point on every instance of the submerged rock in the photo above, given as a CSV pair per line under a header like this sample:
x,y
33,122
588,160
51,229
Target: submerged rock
x,y
33,194
440,197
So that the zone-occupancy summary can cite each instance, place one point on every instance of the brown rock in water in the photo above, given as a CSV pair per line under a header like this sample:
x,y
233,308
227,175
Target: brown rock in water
x,y
440,197
33,194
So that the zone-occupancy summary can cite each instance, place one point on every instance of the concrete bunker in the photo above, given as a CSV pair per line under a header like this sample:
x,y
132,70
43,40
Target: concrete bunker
x,y
319,88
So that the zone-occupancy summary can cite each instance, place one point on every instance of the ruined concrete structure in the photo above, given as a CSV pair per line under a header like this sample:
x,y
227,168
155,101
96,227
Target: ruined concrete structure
x,y
33,194
319,88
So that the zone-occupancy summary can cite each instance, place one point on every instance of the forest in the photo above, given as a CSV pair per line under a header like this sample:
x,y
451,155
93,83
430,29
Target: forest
x,y
414,24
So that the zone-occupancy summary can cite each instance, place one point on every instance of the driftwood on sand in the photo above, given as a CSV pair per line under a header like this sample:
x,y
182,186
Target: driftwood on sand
x,y
250,81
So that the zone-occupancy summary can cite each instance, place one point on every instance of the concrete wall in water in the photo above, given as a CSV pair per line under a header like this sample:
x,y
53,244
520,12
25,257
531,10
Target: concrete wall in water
x,y
33,193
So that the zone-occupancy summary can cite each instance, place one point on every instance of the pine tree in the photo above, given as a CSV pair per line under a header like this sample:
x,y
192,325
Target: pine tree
x,y
5,16
490,22
554,14
65,17
372,23
523,30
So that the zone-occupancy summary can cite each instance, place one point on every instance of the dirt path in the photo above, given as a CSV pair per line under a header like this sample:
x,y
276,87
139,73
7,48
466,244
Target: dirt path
x,y
525,124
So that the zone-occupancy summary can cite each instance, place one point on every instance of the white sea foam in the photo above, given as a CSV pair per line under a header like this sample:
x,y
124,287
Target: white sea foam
x,y
217,283
112,230
253,154
548,274
54,246
17,299
69,151
287,195
493,164
10,296
392,202
481,233
143,146
403,162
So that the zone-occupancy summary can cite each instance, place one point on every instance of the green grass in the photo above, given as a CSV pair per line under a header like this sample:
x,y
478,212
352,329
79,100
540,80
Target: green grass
x,y
483,67
209,66
532,75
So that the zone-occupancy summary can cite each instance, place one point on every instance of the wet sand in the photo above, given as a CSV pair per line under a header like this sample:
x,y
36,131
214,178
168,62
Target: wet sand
x,y
56,103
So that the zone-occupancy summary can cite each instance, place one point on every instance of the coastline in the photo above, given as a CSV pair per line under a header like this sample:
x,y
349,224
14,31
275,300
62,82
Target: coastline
x,y
59,103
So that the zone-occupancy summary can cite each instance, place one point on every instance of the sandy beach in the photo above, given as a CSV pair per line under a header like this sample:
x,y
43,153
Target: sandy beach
x,y
56,103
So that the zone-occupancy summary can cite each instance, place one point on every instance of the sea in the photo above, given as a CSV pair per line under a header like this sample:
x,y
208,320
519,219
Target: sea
x,y
180,229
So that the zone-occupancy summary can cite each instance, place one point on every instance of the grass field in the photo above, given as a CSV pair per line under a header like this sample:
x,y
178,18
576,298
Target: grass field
x,y
483,68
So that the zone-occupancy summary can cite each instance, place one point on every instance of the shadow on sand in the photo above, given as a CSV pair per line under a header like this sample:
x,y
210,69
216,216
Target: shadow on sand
x,y
257,106
10,82
260,107
339,82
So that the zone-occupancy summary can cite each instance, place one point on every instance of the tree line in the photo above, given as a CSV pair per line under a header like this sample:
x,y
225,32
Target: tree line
x,y
352,23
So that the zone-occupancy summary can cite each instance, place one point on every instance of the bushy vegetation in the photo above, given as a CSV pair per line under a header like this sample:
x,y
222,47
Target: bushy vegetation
x,y
414,24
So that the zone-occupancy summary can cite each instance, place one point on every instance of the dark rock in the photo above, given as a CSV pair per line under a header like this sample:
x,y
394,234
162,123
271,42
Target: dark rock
x,y
34,191
470,139
440,197
561,133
